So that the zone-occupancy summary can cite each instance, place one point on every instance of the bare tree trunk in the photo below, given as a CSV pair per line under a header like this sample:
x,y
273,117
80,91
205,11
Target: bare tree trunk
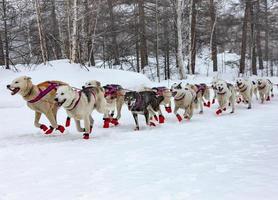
x,y
192,36
41,33
253,42
266,35
74,56
156,42
7,54
180,62
258,34
68,47
213,44
2,55
142,33
166,47
55,32
244,38
115,45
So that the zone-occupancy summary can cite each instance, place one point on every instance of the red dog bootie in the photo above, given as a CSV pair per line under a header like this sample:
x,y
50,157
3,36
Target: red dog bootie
x,y
86,136
213,101
68,122
219,111
61,128
179,117
115,121
207,104
43,127
49,131
161,119
268,98
224,109
106,123
168,109
152,124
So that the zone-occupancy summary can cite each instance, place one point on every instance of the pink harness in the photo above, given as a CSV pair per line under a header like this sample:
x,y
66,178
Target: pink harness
x,y
42,93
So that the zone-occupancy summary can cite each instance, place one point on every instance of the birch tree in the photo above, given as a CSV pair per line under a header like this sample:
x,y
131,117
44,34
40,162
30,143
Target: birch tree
x,y
180,62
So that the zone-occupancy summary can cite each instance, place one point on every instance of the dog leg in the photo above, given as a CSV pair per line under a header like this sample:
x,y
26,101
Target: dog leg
x,y
135,116
49,115
36,122
201,105
78,126
177,115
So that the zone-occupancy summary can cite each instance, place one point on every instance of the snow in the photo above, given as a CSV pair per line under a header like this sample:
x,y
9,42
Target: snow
x,y
233,156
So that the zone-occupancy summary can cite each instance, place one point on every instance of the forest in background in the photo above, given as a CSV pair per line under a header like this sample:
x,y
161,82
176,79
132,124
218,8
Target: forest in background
x,y
134,32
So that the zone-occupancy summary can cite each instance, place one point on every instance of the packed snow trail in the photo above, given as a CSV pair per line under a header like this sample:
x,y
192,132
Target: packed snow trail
x,y
232,156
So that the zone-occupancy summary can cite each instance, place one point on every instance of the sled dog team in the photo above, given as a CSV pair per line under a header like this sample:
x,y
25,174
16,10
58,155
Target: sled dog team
x,y
46,98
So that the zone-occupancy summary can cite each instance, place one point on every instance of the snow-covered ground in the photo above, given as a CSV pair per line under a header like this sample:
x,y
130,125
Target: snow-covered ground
x,y
233,156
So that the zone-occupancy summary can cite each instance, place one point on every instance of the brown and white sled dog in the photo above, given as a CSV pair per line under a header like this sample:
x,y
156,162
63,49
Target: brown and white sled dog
x,y
166,93
202,94
114,96
265,88
226,96
183,99
80,104
39,98
245,88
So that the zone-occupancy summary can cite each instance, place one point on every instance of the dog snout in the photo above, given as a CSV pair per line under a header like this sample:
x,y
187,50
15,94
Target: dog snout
x,y
8,86
56,99
83,87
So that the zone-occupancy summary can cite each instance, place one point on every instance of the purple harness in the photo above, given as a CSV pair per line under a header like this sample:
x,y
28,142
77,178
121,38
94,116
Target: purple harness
x,y
42,93
201,88
79,92
111,90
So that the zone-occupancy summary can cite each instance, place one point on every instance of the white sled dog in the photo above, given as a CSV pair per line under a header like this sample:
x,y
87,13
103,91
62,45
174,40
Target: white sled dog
x,y
39,98
80,104
225,96
184,98
114,96
265,88
245,88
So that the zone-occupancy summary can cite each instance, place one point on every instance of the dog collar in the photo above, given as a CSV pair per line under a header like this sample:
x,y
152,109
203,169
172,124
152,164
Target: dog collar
x,y
75,104
179,99
261,88
240,89
221,93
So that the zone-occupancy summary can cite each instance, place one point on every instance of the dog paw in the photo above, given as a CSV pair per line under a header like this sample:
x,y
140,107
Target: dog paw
x,y
61,128
86,136
213,101
219,111
136,129
115,121
161,119
179,117
155,117
168,109
272,95
43,127
268,98
106,123
68,122
152,124
49,131
224,109
201,112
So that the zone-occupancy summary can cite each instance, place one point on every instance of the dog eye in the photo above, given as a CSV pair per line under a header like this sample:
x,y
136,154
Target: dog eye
x,y
62,93
16,82
89,84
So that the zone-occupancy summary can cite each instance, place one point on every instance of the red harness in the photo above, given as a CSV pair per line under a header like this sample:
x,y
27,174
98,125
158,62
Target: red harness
x,y
42,93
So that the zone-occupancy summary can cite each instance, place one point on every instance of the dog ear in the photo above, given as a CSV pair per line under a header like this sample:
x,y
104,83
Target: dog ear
x,y
27,78
98,84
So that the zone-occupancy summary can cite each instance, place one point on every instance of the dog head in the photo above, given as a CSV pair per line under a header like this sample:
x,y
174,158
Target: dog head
x,y
64,96
130,99
20,85
240,82
175,88
92,83
221,86
261,82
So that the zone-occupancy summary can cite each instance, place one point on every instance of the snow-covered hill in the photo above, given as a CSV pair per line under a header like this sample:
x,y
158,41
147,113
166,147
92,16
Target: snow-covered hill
x,y
233,156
